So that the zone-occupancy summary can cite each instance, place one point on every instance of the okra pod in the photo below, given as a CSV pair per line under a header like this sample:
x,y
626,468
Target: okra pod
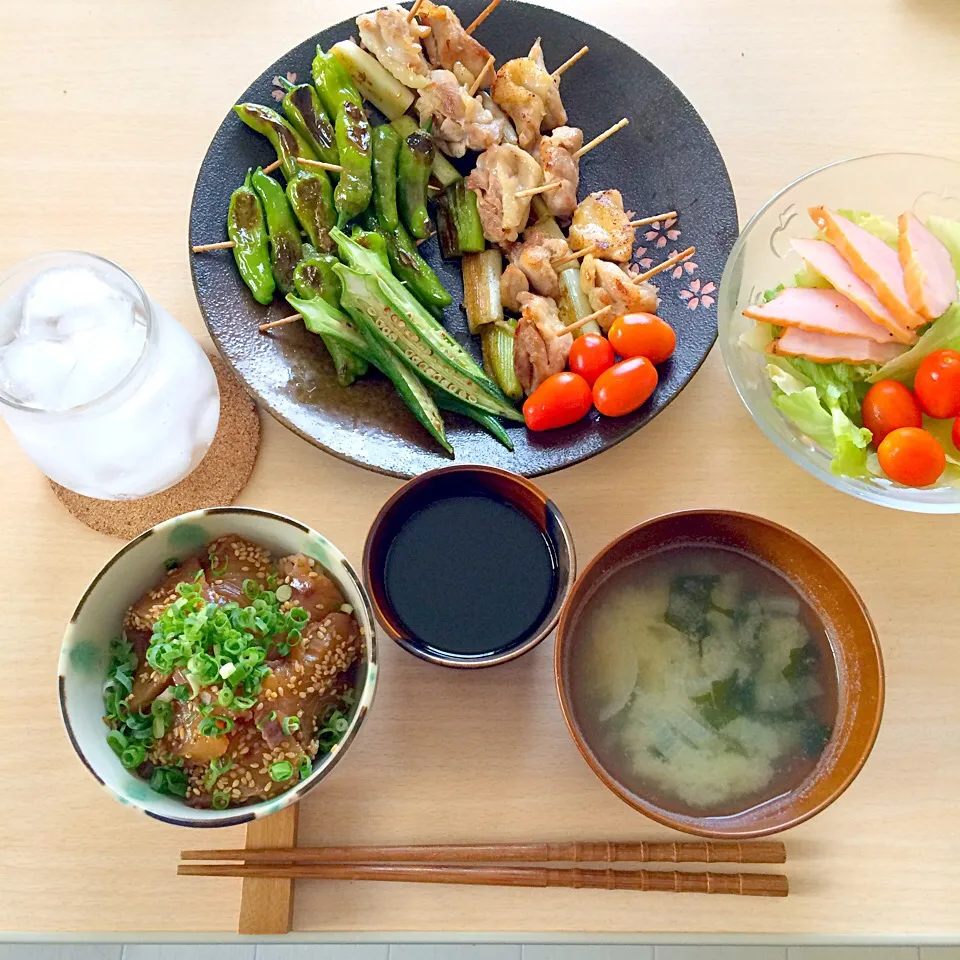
x,y
489,423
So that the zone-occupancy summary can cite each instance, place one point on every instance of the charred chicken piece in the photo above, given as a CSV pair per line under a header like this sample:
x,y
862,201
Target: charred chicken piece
x,y
396,42
609,284
501,172
460,122
529,96
556,156
601,221
448,43
540,346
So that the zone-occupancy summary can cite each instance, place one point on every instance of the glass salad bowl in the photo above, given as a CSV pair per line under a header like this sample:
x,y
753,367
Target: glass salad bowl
x,y
885,184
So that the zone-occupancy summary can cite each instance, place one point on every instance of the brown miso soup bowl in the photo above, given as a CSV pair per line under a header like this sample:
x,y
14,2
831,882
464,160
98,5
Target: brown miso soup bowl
x,y
852,642
466,480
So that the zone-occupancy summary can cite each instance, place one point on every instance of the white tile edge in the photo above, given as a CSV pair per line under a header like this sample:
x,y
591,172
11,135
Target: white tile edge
x,y
525,937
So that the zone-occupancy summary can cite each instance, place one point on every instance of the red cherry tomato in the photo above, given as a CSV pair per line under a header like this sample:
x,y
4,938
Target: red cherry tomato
x,y
643,335
590,355
559,401
626,386
937,384
887,406
912,457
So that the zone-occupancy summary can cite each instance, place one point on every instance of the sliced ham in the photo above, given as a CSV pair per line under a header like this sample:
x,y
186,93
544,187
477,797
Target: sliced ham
x,y
819,311
871,260
823,257
830,348
928,272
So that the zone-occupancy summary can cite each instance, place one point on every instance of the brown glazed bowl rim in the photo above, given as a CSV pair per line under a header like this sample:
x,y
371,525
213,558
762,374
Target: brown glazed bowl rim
x,y
564,585
867,723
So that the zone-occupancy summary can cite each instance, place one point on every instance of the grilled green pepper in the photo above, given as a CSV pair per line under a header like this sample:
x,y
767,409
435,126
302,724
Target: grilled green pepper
x,y
311,197
386,150
315,277
285,140
352,129
414,271
286,248
247,228
413,174
303,109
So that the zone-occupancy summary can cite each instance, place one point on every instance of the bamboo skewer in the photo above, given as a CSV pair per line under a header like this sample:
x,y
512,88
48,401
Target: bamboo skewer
x,y
596,141
293,318
583,321
207,247
660,216
479,81
579,55
667,881
543,188
676,258
576,255
483,15
687,851
414,9
309,164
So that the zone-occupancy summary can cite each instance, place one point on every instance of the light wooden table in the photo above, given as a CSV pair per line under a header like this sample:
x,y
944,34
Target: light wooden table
x,y
108,106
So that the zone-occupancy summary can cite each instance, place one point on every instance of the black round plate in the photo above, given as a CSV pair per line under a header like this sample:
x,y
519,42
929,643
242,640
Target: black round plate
x,y
664,160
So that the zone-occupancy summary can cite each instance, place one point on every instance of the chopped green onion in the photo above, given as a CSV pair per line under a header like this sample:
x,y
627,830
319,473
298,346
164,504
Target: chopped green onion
x,y
221,800
171,564
298,615
346,608
217,571
240,704
250,589
218,767
281,770
266,718
225,697
290,725
305,767
228,670
133,756
215,726
284,592
181,692
169,780
117,742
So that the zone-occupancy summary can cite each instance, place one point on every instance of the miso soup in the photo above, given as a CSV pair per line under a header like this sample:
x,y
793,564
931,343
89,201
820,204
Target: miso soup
x,y
703,681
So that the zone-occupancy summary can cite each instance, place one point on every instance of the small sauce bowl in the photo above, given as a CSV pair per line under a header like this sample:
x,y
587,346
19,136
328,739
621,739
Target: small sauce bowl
x,y
488,482
853,644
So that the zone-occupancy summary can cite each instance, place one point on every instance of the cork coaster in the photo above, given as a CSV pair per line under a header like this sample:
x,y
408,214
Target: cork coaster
x,y
216,482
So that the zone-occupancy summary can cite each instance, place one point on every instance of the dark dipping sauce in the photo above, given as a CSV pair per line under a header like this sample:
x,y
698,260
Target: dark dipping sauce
x,y
469,576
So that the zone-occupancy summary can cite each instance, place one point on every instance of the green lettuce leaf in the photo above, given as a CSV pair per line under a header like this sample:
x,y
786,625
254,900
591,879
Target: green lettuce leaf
x,y
831,428
948,233
880,227
942,334
841,385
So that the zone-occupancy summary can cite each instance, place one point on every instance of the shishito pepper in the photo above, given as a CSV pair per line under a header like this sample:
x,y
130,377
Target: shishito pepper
x,y
415,272
352,128
285,140
247,228
304,111
286,248
386,151
311,197
413,174
315,277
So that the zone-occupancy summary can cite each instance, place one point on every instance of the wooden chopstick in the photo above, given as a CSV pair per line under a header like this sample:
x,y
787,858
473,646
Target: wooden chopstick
x,y
688,851
666,881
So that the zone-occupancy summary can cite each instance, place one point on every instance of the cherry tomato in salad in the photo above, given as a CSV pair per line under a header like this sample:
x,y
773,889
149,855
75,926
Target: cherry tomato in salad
x,y
590,355
937,384
911,456
643,335
560,400
887,406
626,386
